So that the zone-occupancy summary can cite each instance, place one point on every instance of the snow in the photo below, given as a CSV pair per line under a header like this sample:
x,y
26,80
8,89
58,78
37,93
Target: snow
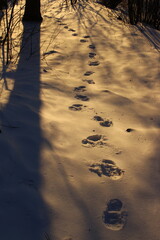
x,y
48,187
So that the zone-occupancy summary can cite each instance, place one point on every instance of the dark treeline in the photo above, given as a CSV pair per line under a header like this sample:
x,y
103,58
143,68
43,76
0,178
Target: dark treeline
x,y
111,3
147,11
3,4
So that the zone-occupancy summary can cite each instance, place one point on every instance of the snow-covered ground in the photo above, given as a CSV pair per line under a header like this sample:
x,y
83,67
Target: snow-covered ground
x,y
80,130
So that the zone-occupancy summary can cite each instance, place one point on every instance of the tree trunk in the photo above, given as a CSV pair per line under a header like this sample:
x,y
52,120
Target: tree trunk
x,y
32,11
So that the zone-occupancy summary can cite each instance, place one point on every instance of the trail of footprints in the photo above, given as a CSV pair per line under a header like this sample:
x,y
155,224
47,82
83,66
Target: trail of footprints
x,y
114,216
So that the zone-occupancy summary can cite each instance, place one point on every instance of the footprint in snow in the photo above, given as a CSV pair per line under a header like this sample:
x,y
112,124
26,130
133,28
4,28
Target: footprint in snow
x,y
92,55
86,36
96,63
88,73
88,81
83,40
106,123
77,107
80,89
98,118
71,30
114,217
129,130
82,97
94,140
107,168
106,91
92,46
102,122
74,34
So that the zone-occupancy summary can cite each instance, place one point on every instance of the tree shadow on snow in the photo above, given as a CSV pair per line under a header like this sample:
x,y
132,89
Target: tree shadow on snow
x,y
23,212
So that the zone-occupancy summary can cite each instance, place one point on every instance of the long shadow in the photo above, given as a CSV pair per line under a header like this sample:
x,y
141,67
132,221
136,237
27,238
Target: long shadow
x,y
23,213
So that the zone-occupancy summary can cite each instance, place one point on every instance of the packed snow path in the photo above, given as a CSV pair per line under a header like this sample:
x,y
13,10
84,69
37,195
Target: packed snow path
x,y
80,131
